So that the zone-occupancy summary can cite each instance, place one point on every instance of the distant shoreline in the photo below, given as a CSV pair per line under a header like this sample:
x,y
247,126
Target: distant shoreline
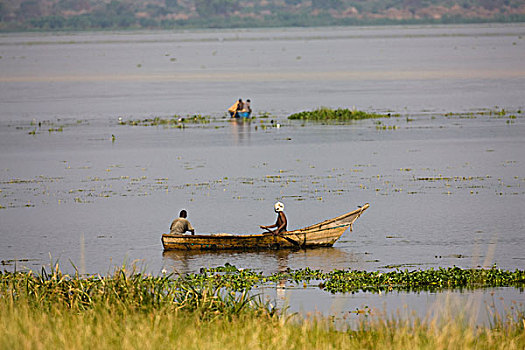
x,y
56,24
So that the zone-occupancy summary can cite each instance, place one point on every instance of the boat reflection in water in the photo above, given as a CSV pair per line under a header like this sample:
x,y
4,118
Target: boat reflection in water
x,y
240,130
266,261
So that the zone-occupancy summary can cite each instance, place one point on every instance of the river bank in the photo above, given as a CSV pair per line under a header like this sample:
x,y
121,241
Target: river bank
x,y
134,310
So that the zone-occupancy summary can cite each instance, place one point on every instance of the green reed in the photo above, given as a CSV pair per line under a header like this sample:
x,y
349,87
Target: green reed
x,y
127,289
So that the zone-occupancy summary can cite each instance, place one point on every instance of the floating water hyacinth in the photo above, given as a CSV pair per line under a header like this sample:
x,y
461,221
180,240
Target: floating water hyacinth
x,y
340,114
343,281
175,121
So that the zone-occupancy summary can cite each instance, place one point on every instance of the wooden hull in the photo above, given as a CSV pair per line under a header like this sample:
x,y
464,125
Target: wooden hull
x,y
324,234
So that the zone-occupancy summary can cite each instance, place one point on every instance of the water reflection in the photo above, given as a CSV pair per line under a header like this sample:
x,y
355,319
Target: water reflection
x,y
240,130
281,300
191,261
267,261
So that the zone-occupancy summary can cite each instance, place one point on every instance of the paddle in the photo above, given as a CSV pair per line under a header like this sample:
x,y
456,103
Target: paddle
x,y
282,236
267,229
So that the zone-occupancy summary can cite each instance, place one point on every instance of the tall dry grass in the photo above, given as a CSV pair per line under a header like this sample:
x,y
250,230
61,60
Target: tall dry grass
x,y
22,326
131,310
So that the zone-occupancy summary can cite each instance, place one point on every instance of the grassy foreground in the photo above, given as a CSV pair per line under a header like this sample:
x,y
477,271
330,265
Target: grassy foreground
x,y
129,309
23,326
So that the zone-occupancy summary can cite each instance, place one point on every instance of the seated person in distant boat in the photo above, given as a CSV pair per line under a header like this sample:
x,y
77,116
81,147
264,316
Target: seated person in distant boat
x,y
181,225
236,107
281,222
247,107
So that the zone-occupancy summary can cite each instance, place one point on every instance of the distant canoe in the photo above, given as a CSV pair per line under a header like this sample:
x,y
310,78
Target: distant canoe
x,y
243,114
323,234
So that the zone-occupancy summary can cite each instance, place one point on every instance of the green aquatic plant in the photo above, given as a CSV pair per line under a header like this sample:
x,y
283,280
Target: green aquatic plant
x,y
130,289
496,113
340,114
344,281
431,279
215,286
175,121
385,127
264,115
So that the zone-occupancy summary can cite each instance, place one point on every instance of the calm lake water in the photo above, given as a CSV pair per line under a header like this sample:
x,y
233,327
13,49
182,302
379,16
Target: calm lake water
x,y
443,190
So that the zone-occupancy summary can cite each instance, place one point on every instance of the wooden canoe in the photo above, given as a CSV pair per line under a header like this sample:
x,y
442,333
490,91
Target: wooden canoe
x,y
323,234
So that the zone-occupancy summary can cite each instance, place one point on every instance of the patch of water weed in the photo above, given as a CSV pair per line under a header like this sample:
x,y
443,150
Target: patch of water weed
x,y
264,115
451,178
115,181
326,114
265,124
175,121
472,183
38,126
496,112
12,262
38,179
344,281
387,127
32,187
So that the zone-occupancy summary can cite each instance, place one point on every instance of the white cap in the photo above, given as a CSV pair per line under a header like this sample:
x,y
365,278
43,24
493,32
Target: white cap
x,y
278,206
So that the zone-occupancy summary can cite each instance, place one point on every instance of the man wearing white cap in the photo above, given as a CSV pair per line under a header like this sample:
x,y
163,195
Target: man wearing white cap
x,y
281,222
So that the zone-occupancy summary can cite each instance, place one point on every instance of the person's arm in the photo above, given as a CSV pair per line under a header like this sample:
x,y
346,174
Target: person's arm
x,y
280,228
190,228
270,226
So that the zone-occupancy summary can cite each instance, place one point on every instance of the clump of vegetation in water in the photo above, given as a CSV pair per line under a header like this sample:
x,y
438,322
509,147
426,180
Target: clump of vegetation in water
x,y
419,280
340,114
36,127
175,121
344,281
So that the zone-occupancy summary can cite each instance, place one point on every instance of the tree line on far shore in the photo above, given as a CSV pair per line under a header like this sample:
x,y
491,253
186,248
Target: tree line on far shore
x,y
167,14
